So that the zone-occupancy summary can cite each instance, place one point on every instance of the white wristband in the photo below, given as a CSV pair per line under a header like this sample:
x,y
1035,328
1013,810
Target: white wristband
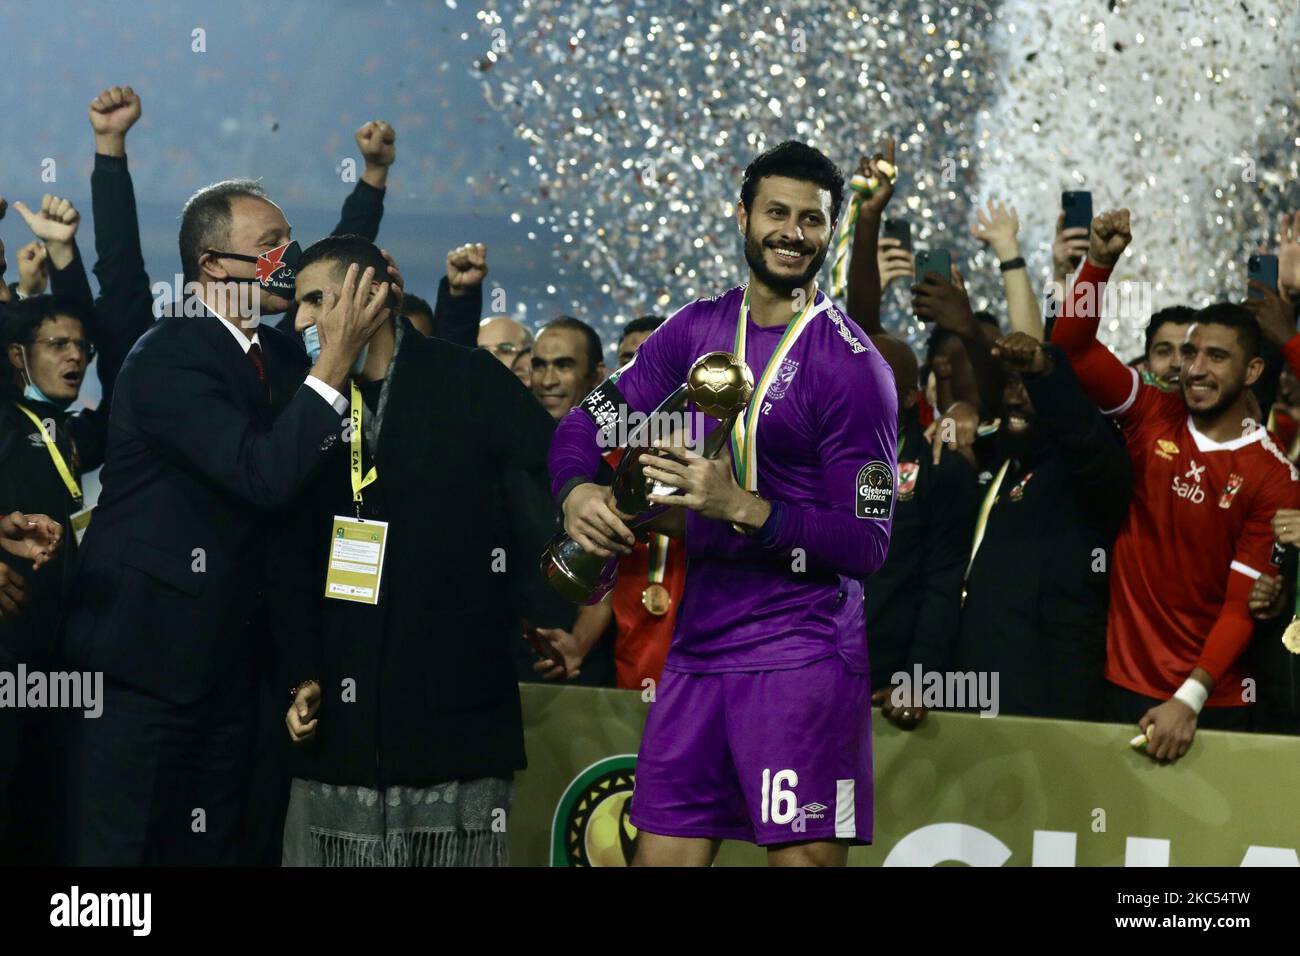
x,y
1193,694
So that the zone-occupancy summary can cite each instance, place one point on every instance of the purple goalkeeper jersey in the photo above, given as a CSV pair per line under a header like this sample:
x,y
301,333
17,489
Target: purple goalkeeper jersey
x,y
791,593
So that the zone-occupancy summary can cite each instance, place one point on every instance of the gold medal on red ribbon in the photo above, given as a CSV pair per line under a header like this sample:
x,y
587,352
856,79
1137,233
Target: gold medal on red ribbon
x,y
656,599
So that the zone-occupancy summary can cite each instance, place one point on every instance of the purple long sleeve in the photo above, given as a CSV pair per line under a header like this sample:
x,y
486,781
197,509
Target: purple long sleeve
x,y
638,386
860,428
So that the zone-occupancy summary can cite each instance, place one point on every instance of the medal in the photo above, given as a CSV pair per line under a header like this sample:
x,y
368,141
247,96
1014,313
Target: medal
x,y
655,598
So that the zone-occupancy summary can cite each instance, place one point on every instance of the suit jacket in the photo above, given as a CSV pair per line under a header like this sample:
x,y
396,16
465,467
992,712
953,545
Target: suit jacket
x,y
170,571
434,656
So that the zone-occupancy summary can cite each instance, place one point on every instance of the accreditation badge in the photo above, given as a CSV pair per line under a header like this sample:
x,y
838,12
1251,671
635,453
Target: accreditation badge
x,y
356,562
80,521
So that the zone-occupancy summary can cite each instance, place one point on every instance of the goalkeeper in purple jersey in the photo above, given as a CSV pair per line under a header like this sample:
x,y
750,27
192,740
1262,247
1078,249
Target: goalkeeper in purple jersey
x,y
761,725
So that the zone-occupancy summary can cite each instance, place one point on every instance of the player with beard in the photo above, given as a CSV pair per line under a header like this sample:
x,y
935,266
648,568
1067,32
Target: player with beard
x,y
1207,482
761,726
1034,596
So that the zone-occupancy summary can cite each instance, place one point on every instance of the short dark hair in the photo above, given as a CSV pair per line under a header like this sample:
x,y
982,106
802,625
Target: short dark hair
x,y
22,319
205,220
413,303
1234,316
644,323
595,351
795,160
1169,315
345,250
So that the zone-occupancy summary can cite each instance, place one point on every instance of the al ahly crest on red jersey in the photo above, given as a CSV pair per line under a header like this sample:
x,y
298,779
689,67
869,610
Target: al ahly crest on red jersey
x,y
1230,490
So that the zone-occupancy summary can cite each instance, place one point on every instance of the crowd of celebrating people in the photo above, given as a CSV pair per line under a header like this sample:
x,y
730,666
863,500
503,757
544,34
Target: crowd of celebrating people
x,y
311,581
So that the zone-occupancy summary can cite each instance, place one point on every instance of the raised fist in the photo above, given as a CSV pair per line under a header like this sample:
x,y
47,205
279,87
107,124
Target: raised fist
x,y
378,143
466,267
33,269
1110,237
114,111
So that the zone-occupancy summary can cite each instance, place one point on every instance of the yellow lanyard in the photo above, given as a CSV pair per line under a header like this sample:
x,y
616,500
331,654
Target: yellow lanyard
x,y
60,465
355,451
744,436
989,498
658,557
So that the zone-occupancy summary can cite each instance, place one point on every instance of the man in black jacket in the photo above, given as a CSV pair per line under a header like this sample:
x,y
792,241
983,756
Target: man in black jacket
x,y
913,602
45,450
406,702
1034,610
212,426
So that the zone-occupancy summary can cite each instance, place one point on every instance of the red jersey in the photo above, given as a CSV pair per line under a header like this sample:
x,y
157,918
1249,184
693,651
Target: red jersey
x,y
1198,532
642,640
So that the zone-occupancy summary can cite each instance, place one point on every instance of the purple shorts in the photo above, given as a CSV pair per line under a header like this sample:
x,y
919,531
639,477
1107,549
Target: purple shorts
x,y
770,757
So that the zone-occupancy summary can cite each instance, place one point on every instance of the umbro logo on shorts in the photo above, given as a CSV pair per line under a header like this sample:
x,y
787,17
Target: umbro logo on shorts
x,y
814,811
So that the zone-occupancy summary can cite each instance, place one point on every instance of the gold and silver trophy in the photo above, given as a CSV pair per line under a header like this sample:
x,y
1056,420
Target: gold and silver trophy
x,y
720,385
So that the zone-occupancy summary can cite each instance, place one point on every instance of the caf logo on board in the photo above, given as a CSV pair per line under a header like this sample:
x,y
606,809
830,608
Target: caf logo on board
x,y
591,826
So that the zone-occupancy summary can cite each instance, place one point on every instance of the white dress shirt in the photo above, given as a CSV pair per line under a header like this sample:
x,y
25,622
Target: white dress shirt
x,y
330,395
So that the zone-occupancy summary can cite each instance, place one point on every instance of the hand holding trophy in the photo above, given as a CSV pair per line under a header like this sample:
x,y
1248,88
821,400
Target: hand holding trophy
x,y
720,385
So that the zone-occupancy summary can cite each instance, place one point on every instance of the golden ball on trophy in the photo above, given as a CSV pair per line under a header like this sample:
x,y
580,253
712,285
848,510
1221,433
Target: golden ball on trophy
x,y
720,384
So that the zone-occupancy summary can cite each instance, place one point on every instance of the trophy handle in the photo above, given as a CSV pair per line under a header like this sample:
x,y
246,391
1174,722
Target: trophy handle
x,y
630,485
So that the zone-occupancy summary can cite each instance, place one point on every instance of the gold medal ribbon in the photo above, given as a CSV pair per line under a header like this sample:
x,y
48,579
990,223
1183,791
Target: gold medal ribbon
x,y
859,189
56,456
989,498
355,451
744,436
658,557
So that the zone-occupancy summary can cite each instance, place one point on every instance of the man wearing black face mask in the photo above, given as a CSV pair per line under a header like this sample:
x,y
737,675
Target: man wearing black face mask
x,y
124,284
212,426
1034,596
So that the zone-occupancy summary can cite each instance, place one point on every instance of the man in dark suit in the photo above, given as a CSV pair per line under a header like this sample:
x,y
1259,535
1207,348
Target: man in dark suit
x,y
212,425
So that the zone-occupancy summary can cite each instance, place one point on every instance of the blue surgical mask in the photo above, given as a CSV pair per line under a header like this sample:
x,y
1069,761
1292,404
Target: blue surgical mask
x,y
32,392
311,340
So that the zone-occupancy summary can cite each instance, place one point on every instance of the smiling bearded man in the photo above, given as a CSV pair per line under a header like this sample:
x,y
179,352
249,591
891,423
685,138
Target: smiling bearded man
x,y
761,729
